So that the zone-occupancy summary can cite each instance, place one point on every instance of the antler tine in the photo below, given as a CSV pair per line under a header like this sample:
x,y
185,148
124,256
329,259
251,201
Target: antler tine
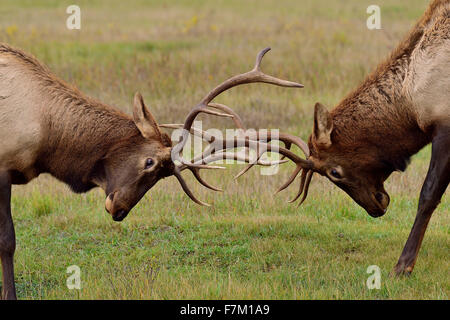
x,y
301,186
234,156
249,141
224,155
196,173
186,189
288,140
207,156
239,124
197,132
217,113
306,166
193,130
255,75
237,120
290,180
242,172
305,192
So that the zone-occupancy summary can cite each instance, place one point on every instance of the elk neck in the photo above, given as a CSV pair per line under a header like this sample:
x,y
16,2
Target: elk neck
x,y
79,133
377,117
70,133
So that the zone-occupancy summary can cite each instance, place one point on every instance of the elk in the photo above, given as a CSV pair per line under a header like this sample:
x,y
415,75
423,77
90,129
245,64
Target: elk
x,y
397,110
48,126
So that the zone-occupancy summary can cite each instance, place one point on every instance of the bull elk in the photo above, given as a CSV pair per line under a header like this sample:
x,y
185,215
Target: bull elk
x,y
48,126
398,109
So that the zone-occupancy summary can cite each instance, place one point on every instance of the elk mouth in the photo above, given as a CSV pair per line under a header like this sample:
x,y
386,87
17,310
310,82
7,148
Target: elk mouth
x,y
118,214
374,202
376,213
381,200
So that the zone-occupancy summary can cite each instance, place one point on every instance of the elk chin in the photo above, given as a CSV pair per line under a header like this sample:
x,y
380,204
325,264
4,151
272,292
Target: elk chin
x,y
376,213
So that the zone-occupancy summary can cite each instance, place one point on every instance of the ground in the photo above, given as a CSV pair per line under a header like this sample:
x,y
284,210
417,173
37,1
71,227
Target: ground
x,y
250,244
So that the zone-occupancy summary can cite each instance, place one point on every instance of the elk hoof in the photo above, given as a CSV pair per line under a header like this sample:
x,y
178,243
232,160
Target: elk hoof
x,y
401,270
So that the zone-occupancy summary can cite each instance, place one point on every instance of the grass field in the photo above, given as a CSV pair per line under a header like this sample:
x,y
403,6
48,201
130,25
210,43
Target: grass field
x,y
249,244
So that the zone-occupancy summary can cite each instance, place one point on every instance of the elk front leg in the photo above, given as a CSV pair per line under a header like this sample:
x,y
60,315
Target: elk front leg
x,y
7,237
435,184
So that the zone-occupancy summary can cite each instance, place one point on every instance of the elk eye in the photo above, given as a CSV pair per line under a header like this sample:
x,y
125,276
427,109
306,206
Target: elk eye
x,y
335,174
148,163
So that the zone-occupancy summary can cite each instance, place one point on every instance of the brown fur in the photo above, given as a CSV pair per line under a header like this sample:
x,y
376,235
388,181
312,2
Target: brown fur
x,y
378,110
77,131
47,125
397,110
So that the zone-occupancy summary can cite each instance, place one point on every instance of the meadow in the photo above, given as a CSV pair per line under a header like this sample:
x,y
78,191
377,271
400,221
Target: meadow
x,y
250,244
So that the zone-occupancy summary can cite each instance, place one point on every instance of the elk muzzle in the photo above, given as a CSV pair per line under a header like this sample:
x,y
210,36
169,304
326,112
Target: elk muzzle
x,y
381,199
374,200
375,203
117,212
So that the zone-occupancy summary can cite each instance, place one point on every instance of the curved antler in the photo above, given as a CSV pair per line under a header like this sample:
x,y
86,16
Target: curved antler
x,y
217,147
251,140
255,75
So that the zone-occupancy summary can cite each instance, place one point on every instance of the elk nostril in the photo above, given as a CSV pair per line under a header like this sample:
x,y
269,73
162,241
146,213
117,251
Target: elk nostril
x,y
120,215
379,197
111,196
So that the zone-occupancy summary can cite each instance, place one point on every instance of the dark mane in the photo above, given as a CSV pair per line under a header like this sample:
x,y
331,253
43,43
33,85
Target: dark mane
x,y
397,57
396,164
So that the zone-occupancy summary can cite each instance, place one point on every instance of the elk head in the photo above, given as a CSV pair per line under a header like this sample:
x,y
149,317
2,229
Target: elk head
x,y
353,167
135,165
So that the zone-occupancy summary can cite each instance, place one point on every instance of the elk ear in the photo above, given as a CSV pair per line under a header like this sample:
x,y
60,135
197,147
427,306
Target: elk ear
x,y
323,125
144,119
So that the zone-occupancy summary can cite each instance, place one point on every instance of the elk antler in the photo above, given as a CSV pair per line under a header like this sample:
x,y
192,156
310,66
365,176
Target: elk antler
x,y
217,147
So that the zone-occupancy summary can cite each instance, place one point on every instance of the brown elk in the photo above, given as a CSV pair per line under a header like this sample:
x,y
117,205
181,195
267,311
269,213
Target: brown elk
x,y
48,126
400,108
395,112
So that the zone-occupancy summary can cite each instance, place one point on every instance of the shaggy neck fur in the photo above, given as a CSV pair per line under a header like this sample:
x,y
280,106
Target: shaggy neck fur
x,y
378,115
80,132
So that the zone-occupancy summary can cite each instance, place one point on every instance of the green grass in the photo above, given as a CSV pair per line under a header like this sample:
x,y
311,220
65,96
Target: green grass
x,y
249,244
